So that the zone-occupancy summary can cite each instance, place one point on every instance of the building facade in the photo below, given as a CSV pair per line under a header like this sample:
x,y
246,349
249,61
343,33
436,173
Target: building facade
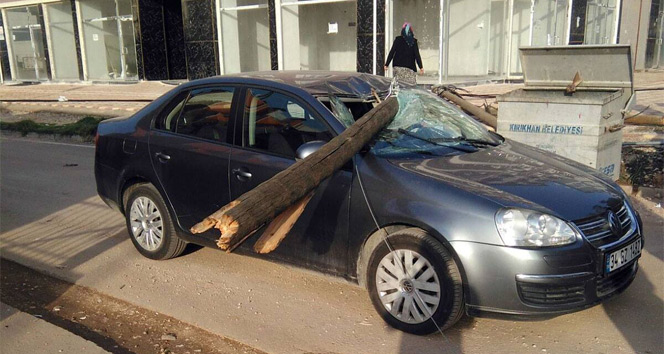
x,y
459,40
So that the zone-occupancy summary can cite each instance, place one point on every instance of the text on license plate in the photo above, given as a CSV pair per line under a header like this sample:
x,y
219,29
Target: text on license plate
x,y
623,256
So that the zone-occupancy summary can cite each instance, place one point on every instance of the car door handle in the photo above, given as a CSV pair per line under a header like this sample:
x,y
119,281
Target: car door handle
x,y
241,174
162,157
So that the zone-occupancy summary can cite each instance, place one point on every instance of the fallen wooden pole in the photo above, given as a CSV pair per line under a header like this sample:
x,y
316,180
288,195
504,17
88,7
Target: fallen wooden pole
x,y
645,120
478,112
260,205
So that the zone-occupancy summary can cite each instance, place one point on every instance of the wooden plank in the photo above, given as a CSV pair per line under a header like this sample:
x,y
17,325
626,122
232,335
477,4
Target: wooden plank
x,y
280,226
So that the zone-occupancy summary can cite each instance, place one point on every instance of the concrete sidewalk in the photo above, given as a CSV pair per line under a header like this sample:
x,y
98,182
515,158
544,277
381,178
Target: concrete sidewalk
x,y
24,333
101,100
112,100
140,91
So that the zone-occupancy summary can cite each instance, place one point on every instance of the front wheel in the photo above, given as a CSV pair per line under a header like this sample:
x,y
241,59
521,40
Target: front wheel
x,y
415,283
150,225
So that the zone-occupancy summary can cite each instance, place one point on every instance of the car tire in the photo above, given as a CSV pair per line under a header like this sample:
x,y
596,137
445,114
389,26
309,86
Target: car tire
x,y
150,225
408,301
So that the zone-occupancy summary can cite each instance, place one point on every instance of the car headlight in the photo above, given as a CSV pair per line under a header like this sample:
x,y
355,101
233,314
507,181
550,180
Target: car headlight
x,y
527,228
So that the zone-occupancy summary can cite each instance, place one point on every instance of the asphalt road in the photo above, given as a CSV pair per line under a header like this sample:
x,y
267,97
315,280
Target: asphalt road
x,y
52,220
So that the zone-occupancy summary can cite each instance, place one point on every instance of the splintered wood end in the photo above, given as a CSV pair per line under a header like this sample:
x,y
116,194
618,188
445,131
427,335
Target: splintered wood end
x,y
203,226
228,228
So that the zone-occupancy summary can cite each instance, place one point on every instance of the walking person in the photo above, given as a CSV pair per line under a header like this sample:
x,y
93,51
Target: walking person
x,y
405,54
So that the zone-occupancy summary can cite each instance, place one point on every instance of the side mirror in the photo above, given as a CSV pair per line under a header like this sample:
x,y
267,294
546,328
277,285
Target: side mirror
x,y
309,148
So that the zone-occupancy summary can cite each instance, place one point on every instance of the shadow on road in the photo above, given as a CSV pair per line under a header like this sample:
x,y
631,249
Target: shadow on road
x,y
52,220
449,341
38,299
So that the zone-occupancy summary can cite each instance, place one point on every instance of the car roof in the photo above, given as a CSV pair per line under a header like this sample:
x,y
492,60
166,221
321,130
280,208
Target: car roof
x,y
317,83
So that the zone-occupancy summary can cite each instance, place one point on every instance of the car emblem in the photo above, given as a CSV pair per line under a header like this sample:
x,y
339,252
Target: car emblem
x,y
614,223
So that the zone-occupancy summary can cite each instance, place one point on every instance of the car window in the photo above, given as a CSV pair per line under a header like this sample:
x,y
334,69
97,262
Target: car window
x,y
279,124
170,115
206,114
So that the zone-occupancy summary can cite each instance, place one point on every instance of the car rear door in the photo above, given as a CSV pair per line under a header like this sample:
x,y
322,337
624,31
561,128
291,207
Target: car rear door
x,y
270,126
189,150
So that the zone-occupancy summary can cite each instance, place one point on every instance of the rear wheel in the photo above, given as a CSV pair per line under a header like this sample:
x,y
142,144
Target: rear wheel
x,y
415,283
150,225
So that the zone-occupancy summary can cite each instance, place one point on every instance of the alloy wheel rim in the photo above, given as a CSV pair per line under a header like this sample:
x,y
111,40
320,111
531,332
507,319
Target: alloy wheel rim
x,y
411,293
147,226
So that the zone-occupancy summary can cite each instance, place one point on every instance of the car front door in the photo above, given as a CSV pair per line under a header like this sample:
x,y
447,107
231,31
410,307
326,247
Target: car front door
x,y
271,126
189,152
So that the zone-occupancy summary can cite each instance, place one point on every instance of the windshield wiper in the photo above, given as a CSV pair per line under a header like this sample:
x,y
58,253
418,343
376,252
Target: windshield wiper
x,y
460,148
472,141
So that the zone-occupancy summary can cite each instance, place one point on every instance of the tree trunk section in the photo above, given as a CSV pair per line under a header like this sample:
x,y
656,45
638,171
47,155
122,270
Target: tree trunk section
x,y
260,205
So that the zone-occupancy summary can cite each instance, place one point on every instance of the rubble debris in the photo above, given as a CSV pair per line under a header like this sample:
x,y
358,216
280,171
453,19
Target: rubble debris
x,y
169,336
571,88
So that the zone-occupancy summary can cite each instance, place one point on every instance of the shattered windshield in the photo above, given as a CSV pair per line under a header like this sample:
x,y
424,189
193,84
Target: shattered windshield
x,y
430,125
341,111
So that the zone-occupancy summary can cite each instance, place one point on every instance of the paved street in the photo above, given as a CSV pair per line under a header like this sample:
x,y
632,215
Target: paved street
x,y
52,220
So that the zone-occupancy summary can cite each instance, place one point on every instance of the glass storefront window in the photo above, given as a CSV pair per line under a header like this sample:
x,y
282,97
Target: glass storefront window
x,y
472,45
601,22
319,36
25,43
549,22
245,35
467,39
108,39
498,32
424,15
62,45
520,34
655,42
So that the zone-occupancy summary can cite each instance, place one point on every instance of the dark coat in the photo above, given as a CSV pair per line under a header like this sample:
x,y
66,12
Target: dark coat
x,y
404,55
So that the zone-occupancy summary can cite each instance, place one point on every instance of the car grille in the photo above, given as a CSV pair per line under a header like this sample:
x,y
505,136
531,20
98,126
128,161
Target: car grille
x,y
547,294
597,230
615,282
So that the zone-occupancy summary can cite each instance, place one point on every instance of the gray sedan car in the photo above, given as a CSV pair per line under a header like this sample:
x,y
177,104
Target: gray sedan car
x,y
437,216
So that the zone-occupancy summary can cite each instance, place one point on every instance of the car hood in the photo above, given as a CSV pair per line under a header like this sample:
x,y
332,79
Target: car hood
x,y
517,175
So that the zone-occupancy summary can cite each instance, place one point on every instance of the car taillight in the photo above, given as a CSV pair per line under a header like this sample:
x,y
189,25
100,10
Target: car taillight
x,y
96,139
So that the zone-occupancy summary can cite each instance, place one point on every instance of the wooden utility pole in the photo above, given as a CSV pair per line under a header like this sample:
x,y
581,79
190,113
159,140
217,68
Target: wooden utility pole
x,y
242,217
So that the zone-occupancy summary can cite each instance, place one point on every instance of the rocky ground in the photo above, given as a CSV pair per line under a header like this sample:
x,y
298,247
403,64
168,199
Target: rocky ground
x,y
46,117
115,325
643,165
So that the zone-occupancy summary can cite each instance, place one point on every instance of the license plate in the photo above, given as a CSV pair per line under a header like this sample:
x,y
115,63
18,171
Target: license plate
x,y
621,257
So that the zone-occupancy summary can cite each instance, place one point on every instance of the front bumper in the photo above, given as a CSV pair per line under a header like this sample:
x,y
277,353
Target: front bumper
x,y
540,281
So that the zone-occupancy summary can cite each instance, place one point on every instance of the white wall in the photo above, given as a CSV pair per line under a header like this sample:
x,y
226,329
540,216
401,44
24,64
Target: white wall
x,y
290,22
468,37
307,43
